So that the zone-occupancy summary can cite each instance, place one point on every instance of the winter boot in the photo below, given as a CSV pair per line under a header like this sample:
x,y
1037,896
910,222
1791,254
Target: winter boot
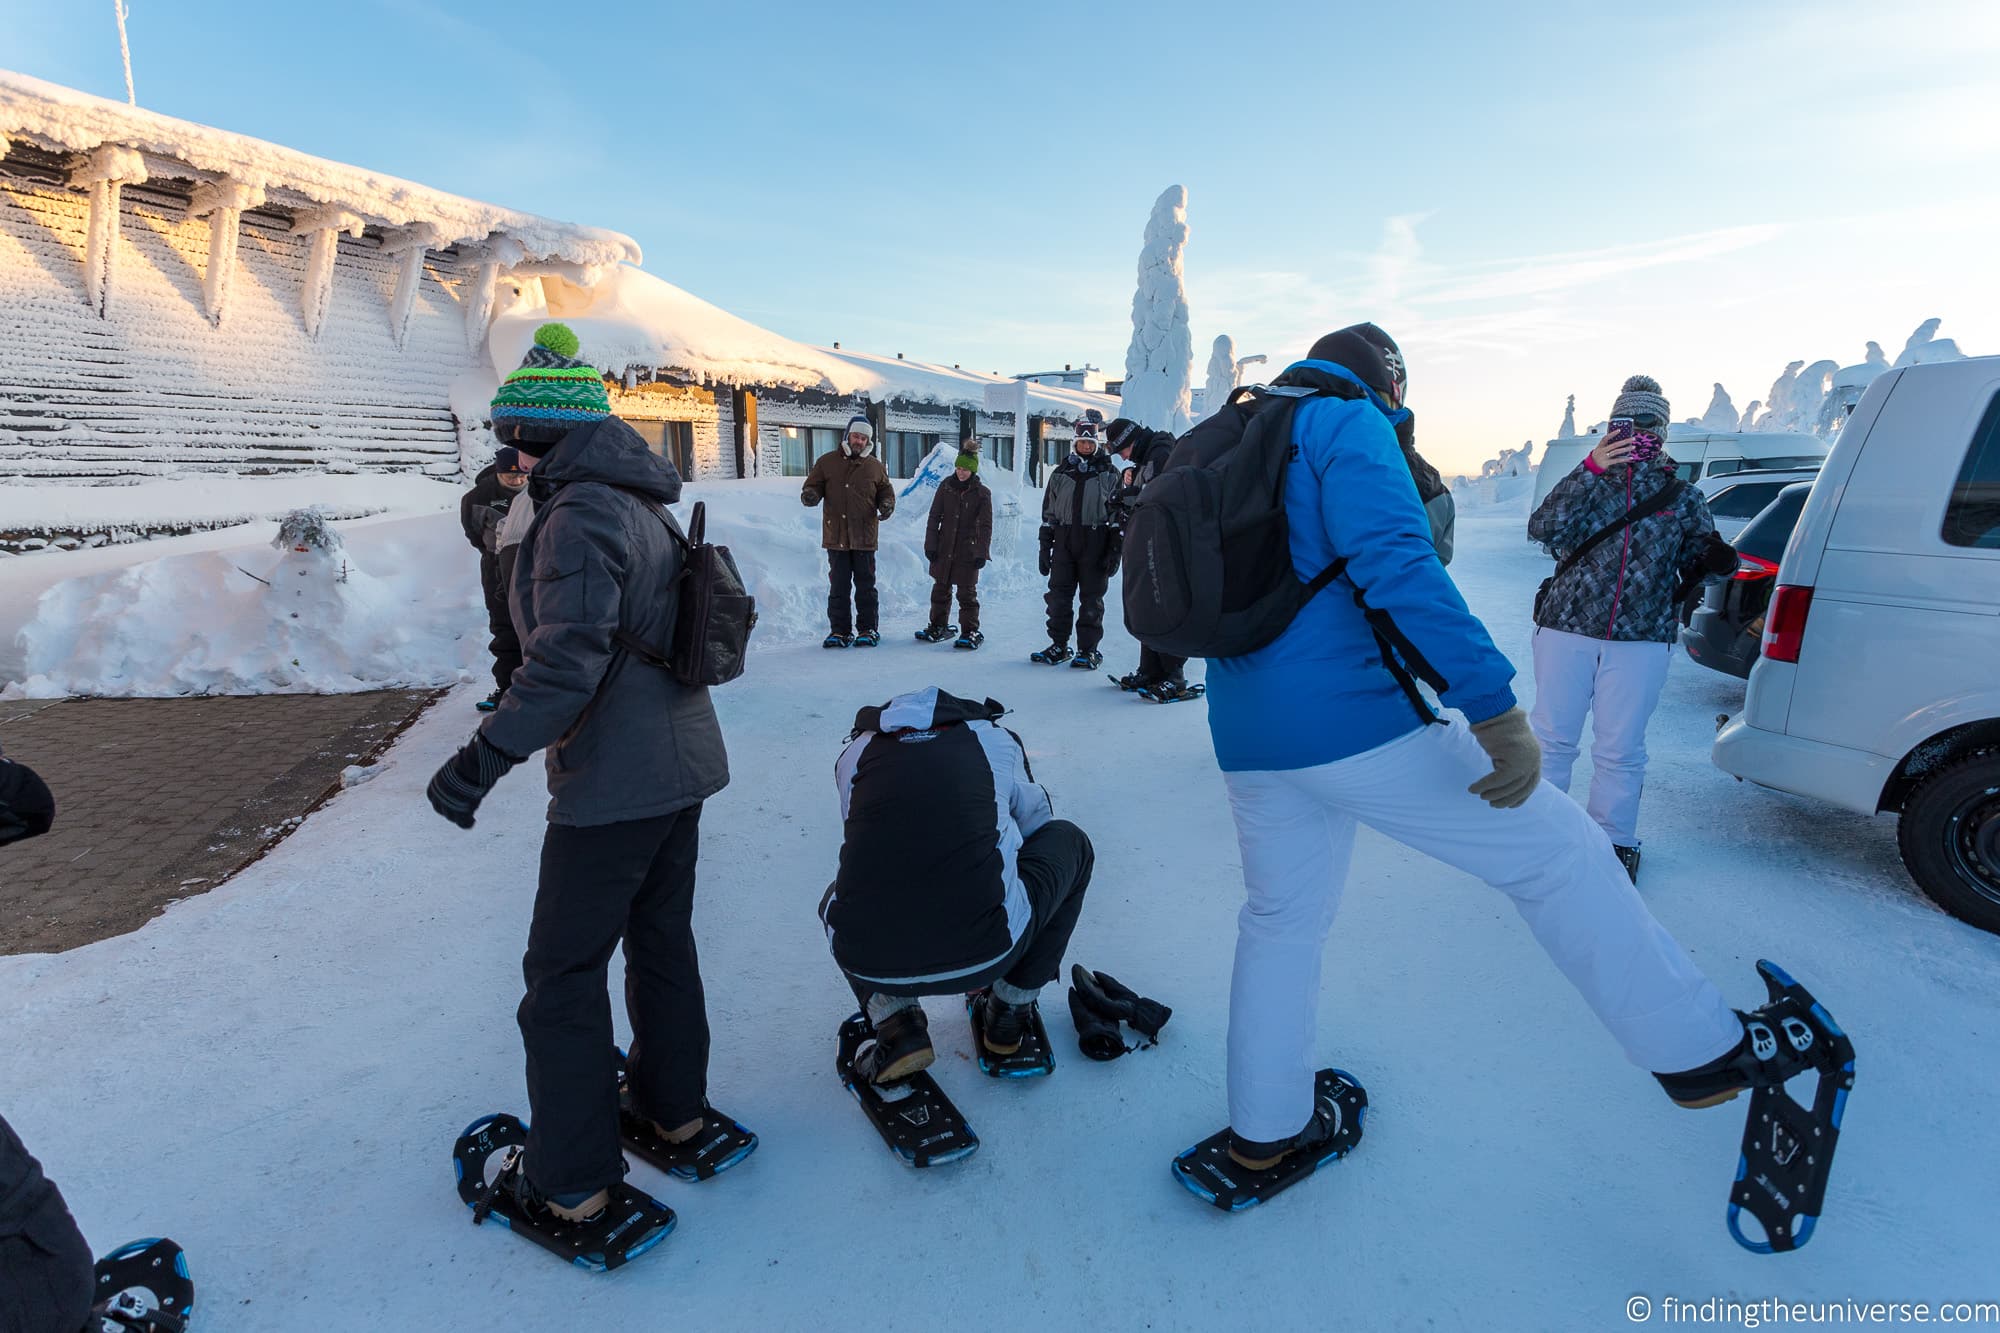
x,y
1629,858
867,638
1005,1025
902,1047
837,640
491,702
936,633
1325,1123
1053,655
1769,1054
970,639
1172,691
1134,683
1087,661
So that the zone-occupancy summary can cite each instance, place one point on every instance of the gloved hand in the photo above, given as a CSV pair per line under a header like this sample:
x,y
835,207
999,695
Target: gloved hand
x,y
490,519
1112,551
1516,756
1048,549
979,564
458,787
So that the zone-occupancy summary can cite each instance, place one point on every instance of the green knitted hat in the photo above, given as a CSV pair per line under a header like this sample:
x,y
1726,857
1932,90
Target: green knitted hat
x,y
552,388
968,460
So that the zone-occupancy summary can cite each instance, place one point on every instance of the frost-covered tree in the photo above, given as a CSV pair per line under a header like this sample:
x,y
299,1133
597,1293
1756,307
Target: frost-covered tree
x,y
1568,430
1750,420
1721,415
1221,375
1925,347
1159,364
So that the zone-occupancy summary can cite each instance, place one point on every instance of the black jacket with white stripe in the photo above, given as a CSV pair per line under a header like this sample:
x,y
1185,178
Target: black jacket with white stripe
x,y
936,799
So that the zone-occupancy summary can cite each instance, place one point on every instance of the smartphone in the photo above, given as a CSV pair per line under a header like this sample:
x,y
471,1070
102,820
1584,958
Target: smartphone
x,y
1618,428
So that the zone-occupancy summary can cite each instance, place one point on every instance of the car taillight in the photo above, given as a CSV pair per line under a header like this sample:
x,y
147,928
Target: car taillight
x,y
1785,623
1749,567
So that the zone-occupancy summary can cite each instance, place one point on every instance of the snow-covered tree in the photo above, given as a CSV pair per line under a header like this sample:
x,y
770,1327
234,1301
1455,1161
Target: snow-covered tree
x,y
1750,420
1925,347
1159,364
1568,431
1221,375
1721,415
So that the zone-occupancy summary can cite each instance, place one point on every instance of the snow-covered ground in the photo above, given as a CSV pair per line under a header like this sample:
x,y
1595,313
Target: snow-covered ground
x,y
274,1072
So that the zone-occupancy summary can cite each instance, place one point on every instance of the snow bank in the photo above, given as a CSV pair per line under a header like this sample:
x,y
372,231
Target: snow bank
x,y
209,500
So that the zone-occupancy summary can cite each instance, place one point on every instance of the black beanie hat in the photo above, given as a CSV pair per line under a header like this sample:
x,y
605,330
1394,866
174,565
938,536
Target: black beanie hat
x,y
1119,433
1369,353
506,459
27,807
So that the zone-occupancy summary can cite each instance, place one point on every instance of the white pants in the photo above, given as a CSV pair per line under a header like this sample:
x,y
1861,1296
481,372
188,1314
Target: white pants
x,y
1616,685
1296,832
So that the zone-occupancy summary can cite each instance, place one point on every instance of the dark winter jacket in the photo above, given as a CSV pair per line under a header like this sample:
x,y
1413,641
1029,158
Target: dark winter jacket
x,y
1150,451
858,497
936,798
1080,492
481,507
960,531
625,739
1623,589
45,1267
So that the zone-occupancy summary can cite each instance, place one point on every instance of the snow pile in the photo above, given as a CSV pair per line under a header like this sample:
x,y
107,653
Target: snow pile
x,y
1159,364
210,500
1504,480
310,615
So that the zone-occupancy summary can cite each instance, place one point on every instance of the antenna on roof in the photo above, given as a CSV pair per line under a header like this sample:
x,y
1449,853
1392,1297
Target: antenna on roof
x,y
125,48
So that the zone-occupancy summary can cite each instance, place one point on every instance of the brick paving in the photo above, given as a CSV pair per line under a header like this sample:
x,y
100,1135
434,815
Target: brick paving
x,y
158,799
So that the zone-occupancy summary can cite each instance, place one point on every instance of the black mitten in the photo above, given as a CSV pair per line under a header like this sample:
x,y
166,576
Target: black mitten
x,y
1096,1036
462,783
1106,995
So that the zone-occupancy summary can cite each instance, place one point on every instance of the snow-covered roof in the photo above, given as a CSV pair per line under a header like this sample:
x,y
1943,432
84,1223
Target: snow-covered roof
x,y
635,319
63,118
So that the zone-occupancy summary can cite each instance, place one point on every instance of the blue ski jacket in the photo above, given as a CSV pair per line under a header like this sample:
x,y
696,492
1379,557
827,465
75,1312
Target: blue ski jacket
x,y
1320,691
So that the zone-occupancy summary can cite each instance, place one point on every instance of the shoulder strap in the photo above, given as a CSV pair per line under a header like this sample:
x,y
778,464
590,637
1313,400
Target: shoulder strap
x,y
1659,500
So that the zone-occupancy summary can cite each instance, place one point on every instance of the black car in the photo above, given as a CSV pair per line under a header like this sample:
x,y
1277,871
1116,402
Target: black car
x,y
1727,629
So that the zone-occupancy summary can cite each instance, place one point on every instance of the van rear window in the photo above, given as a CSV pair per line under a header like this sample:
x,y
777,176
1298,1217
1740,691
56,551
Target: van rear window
x,y
1973,516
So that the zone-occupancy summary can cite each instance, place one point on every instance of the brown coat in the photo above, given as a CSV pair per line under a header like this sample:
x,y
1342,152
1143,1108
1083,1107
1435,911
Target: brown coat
x,y
960,531
858,497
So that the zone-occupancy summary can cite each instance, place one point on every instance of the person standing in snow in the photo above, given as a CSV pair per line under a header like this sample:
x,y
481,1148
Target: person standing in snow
x,y
632,755
1079,548
858,496
481,512
958,541
979,895
1145,453
1605,629
1316,735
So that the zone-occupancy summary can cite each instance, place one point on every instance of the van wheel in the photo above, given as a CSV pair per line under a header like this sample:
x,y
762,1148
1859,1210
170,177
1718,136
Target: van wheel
x,y
1950,838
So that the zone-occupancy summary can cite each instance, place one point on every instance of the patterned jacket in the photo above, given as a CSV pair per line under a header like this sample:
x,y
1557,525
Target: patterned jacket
x,y
1623,590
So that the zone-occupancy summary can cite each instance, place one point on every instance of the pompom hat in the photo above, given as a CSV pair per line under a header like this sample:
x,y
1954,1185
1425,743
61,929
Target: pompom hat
x,y
1642,401
552,392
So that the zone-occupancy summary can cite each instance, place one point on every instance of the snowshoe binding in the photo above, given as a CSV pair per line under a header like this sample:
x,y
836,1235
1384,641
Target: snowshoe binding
x,y
143,1287
1233,1174
491,703
719,1144
1172,692
1087,661
867,638
837,641
969,641
1053,655
487,1159
1010,1039
1629,858
936,633
1133,683
913,1116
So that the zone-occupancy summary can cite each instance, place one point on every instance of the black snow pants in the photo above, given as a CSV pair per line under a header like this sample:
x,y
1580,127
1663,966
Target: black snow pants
x,y
964,576
46,1280
1054,864
1078,570
632,880
856,568
505,644
1158,666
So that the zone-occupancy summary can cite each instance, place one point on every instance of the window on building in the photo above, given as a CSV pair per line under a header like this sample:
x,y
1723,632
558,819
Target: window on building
x,y
903,450
672,440
802,447
1972,518
999,450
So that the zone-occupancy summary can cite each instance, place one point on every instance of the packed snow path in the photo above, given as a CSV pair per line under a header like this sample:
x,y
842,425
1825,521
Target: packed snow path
x,y
273,1073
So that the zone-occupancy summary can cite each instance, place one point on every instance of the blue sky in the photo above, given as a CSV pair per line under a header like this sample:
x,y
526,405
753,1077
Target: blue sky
x,y
1537,199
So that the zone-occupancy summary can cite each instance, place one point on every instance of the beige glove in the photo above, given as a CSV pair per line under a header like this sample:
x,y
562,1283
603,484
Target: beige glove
x,y
1516,756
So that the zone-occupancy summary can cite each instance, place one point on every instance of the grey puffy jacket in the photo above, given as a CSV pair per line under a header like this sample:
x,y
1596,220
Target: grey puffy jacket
x,y
625,740
1623,589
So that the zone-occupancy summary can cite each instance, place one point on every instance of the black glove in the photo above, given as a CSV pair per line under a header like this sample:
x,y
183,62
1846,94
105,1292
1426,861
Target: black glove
x,y
1112,550
1096,1037
930,554
1108,998
1048,561
26,806
979,564
458,788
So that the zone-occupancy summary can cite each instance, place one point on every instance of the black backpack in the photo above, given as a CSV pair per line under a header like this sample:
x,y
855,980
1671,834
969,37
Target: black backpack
x,y
713,620
1207,559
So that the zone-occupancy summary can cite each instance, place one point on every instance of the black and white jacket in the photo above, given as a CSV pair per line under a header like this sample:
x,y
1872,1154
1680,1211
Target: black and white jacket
x,y
936,799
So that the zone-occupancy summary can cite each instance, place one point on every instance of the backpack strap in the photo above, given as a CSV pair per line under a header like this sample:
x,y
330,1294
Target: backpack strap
x,y
1659,500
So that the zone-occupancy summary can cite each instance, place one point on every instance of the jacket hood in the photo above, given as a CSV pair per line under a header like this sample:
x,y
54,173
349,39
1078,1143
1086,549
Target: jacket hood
x,y
923,710
611,452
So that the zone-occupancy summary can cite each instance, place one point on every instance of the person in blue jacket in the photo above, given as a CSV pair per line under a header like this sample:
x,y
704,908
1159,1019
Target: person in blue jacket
x,y
1315,736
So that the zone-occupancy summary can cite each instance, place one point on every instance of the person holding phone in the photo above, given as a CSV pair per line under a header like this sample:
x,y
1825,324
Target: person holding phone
x,y
1621,527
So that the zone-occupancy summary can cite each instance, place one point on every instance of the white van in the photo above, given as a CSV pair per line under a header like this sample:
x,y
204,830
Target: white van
x,y
1879,684
1701,454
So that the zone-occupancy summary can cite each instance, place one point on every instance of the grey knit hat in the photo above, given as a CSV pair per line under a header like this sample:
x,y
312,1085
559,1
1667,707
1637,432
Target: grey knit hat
x,y
1642,400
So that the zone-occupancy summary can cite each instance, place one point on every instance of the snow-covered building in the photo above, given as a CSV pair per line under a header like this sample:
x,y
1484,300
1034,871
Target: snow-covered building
x,y
1086,377
177,297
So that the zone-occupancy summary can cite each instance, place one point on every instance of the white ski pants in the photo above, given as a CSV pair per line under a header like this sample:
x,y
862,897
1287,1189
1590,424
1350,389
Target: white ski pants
x,y
1296,832
1617,686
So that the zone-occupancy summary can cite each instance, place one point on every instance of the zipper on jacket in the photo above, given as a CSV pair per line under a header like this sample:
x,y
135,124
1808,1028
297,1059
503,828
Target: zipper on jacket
x,y
1624,553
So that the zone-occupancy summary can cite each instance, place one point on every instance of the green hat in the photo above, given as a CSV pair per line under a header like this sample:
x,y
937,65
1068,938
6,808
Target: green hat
x,y
967,460
552,390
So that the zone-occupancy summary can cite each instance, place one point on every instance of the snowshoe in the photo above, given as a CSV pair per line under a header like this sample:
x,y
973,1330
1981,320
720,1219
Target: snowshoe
x,y
1629,858
1131,684
487,1159
837,641
1172,692
143,1287
1053,655
491,703
936,633
867,638
1032,1055
1089,661
720,1143
913,1116
1211,1172
968,642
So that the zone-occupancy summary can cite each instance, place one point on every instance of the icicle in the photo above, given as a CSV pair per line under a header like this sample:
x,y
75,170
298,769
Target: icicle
x,y
501,253
222,202
325,226
109,170
409,244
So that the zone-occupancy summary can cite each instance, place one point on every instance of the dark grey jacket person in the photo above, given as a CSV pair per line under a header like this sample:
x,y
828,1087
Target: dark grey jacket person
x,y
45,1267
625,739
